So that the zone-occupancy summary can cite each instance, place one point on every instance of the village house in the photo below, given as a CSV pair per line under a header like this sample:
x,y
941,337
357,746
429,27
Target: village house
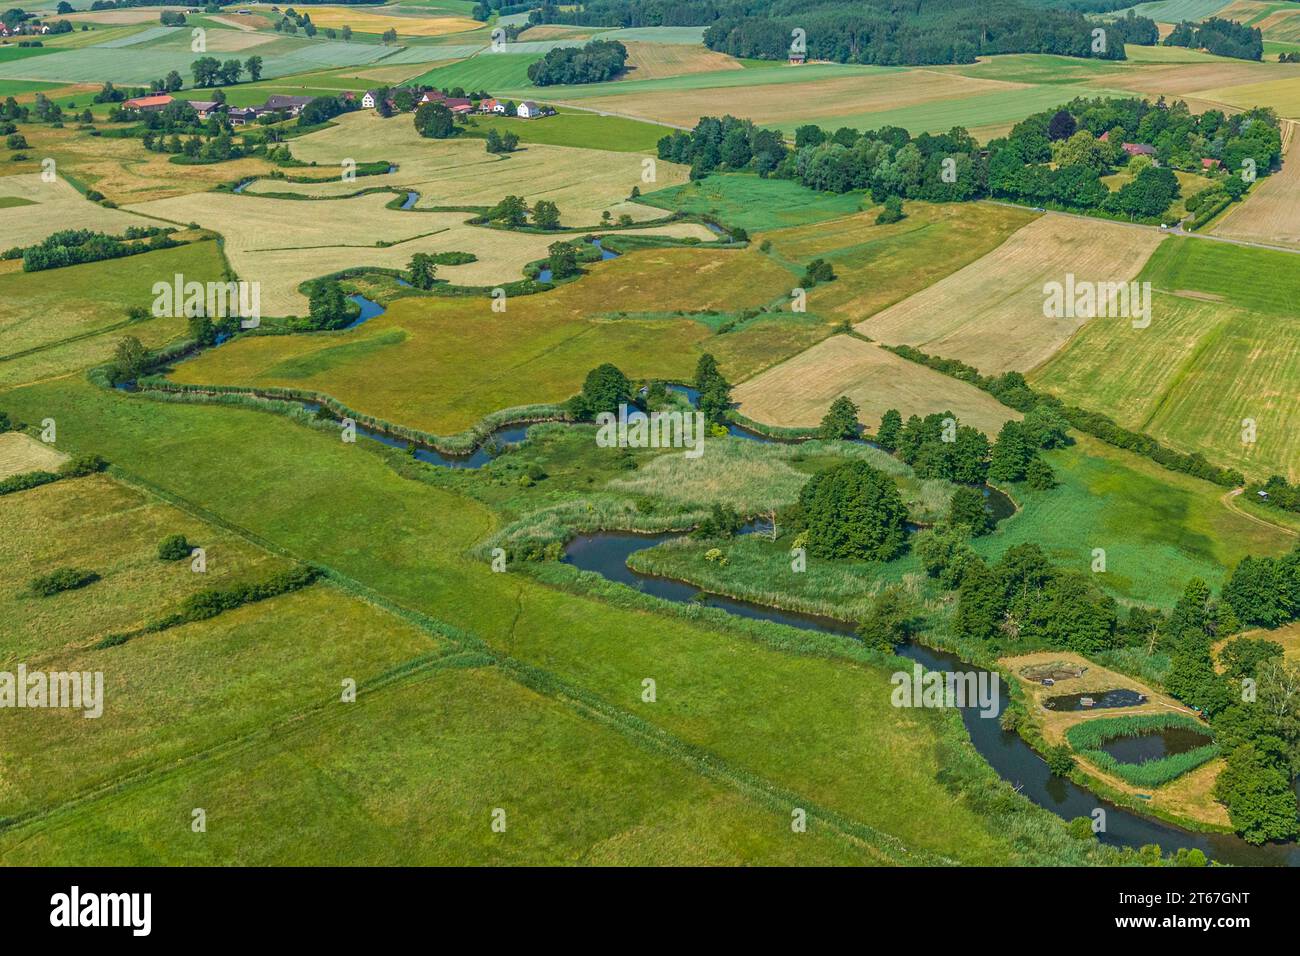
x,y
458,104
797,59
1139,149
530,110
370,100
432,96
241,115
491,106
148,104
206,108
1210,163
292,105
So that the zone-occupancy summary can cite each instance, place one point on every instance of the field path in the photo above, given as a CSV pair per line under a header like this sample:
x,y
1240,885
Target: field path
x,y
1231,505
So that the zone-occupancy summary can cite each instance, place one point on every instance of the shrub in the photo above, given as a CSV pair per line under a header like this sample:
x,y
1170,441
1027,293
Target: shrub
x,y
64,579
174,547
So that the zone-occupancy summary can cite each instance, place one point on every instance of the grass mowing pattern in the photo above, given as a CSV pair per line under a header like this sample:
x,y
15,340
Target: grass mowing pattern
x,y
1087,738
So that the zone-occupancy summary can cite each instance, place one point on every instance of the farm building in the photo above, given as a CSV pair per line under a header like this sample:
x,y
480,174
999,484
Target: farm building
x,y
289,104
530,110
148,104
370,100
458,104
491,106
206,108
1139,149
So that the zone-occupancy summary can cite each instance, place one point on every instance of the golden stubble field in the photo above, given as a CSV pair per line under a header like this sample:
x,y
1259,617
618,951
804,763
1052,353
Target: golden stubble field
x,y
791,101
460,172
798,392
990,313
281,243
1271,214
51,207
21,453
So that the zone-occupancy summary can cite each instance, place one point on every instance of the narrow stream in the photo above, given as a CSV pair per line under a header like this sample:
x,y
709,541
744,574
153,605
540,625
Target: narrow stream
x,y
606,553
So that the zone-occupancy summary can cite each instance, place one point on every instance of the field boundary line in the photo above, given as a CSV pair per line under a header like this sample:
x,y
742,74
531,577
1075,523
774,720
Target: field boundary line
x,y
582,702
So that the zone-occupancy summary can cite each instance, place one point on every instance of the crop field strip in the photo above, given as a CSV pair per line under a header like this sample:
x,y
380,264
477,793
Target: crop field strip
x,y
1003,327
1220,350
1271,213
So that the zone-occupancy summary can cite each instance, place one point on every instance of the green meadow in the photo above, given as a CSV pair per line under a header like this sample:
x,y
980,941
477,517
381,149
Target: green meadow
x,y
719,691
753,203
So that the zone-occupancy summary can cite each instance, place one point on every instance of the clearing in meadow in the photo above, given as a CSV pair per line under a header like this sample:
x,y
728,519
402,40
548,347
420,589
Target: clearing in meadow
x,y
798,392
990,313
21,453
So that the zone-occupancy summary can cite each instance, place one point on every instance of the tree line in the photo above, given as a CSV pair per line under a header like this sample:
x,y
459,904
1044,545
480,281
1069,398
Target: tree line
x,y
1220,37
596,62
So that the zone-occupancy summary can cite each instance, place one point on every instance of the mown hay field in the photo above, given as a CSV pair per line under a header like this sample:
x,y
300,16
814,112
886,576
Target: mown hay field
x,y
51,207
378,19
879,265
1271,213
1221,350
442,364
1281,94
583,183
649,61
798,103
21,453
280,243
798,392
990,315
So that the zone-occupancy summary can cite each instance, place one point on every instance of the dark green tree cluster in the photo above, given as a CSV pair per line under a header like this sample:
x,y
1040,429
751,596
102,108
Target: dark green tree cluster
x,y
840,420
434,121
724,144
506,142
889,162
1277,493
937,446
1220,37
852,510
1024,599
605,388
70,247
328,307
596,62
715,391
1265,592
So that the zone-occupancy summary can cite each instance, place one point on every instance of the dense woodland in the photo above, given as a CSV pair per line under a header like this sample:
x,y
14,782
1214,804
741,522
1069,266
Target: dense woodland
x,y
1220,37
866,31
596,62
1056,157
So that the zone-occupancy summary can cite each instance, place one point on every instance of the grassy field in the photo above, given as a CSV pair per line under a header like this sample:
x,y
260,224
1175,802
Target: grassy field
x,y
21,453
377,20
583,183
581,130
651,61
409,365
281,243
1002,325
752,203
122,169
494,72
40,309
800,390
732,696
877,266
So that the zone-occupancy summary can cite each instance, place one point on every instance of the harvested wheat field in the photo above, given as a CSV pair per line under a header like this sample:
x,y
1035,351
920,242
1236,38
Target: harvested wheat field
x,y
53,206
583,182
1271,213
283,242
990,313
362,20
798,392
20,453
649,61
799,101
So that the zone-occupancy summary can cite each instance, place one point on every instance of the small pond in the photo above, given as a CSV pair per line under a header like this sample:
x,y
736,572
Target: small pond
x,y
1155,745
1101,700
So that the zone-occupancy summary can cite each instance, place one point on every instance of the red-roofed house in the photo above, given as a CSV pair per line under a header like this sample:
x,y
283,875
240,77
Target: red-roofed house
x,y
491,106
458,104
1104,137
148,104
1210,163
434,96
1139,149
